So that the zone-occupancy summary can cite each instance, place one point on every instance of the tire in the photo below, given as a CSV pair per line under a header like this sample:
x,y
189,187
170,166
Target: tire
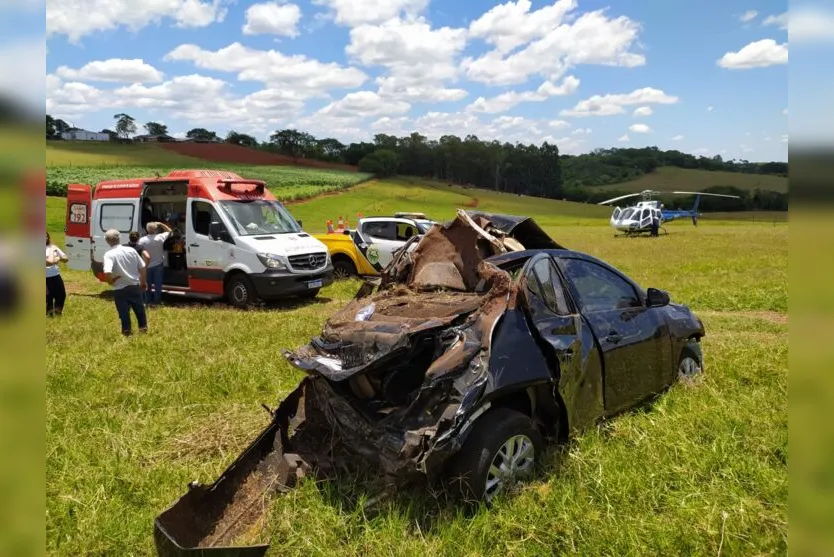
x,y
343,268
240,292
690,364
499,431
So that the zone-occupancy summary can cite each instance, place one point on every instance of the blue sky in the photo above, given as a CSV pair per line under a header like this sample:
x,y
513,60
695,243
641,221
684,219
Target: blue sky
x,y
556,71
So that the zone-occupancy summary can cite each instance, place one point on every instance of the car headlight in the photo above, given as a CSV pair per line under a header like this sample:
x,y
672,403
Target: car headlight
x,y
273,262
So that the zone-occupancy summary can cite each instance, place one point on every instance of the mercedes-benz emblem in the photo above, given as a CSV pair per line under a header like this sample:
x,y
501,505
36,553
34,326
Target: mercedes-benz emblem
x,y
312,261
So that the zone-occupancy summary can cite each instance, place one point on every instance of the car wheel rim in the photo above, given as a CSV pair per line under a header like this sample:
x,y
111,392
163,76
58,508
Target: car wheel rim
x,y
239,293
513,461
340,273
689,367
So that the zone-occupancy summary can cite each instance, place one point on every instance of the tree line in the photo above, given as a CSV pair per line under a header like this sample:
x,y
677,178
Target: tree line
x,y
537,170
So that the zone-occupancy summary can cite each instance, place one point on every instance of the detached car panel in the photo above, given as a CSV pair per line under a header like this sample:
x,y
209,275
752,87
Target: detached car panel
x,y
486,338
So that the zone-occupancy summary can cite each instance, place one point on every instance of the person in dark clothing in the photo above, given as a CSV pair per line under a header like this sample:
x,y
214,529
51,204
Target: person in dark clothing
x,y
147,213
134,243
655,224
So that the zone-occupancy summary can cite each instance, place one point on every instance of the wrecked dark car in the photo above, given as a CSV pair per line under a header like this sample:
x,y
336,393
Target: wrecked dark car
x,y
474,347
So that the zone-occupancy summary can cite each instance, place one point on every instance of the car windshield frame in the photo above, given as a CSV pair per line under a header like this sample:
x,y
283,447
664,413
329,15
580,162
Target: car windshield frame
x,y
424,225
236,211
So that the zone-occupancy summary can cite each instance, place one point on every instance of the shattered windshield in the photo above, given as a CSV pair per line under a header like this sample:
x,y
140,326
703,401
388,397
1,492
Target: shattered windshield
x,y
260,216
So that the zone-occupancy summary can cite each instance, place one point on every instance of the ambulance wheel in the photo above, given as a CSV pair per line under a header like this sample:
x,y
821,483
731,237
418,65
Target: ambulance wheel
x,y
240,292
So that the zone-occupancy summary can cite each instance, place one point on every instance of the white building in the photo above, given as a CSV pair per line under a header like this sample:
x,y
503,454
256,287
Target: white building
x,y
76,134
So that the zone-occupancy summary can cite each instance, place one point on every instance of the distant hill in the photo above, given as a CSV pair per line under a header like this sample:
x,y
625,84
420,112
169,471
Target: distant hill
x,y
671,178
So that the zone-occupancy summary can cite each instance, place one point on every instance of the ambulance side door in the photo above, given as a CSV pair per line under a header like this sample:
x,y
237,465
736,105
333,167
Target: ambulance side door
x,y
77,240
204,253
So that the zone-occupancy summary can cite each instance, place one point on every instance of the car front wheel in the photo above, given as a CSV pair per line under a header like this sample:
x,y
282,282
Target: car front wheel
x,y
500,451
690,361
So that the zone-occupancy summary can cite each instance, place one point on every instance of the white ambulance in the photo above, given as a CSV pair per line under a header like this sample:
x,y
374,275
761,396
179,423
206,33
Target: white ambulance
x,y
232,238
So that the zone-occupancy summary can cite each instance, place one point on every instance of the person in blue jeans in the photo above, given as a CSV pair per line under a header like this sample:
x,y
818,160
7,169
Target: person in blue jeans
x,y
125,272
153,244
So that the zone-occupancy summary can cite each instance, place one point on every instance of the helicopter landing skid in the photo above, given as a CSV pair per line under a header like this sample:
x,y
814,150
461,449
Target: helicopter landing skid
x,y
640,233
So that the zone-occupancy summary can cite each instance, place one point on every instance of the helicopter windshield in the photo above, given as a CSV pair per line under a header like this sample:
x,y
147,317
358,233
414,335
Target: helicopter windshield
x,y
627,214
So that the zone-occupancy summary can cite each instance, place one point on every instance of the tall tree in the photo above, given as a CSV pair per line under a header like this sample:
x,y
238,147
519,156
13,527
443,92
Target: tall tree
x,y
236,138
155,128
202,134
125,125
50,126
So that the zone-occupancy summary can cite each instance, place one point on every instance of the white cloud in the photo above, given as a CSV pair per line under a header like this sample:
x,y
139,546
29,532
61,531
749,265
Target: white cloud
x,y
608,105
558,124
363,104
784,112
710,108
748,16
678,137
272,18
581,131
781,20
758,54
395,126
507,26
592,38
419,60
639,128
624,138
296,72
115,70
70,100
357,12
78,18
507,100
643,111
811,24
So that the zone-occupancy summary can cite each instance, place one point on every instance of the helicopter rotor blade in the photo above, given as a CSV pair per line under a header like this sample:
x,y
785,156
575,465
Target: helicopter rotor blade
x,y
618,198
705,193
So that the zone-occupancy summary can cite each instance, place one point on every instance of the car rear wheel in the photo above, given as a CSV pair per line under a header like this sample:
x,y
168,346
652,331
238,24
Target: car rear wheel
x,y
240,292
500,451
343,268
690,362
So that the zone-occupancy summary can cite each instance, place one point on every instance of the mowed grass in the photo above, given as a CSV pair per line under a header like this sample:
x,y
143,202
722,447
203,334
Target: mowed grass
x,y
703,468
672,178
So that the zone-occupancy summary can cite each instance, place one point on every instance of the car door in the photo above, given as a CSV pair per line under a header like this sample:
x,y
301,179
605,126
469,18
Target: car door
x,y
567,340
118,214
77,240
205,255
381,237
630,335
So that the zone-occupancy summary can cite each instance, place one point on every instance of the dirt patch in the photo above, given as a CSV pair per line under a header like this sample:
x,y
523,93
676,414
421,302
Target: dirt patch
x,y
236,154
471,203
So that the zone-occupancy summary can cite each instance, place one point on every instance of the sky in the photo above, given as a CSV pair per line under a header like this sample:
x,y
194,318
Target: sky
x,y
707,77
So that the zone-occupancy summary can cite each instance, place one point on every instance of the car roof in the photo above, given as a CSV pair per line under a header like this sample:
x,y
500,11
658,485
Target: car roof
x,y
512,257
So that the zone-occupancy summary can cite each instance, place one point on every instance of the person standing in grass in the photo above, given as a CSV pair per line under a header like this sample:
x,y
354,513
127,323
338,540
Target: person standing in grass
x,y
56,294
153,244
125,272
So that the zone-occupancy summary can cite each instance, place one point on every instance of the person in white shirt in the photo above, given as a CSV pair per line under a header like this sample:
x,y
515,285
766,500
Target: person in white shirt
x,y
153,244
124,271
56,294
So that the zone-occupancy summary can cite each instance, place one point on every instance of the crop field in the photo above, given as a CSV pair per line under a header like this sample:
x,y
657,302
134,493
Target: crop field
x,y
670,178
285,182
94,153
702,470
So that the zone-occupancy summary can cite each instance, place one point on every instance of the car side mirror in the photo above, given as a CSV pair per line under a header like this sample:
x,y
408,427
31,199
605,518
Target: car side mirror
x,y
217,231
299,224
656,298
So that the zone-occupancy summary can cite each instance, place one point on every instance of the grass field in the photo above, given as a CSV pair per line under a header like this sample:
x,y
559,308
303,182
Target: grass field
x,y
701,471
671,178
94,153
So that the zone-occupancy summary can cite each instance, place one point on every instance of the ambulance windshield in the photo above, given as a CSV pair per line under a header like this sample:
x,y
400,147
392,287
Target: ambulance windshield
x,y
259,216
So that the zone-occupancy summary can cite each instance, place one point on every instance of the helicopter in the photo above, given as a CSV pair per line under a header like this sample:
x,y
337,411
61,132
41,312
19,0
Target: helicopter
x,y
639,218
